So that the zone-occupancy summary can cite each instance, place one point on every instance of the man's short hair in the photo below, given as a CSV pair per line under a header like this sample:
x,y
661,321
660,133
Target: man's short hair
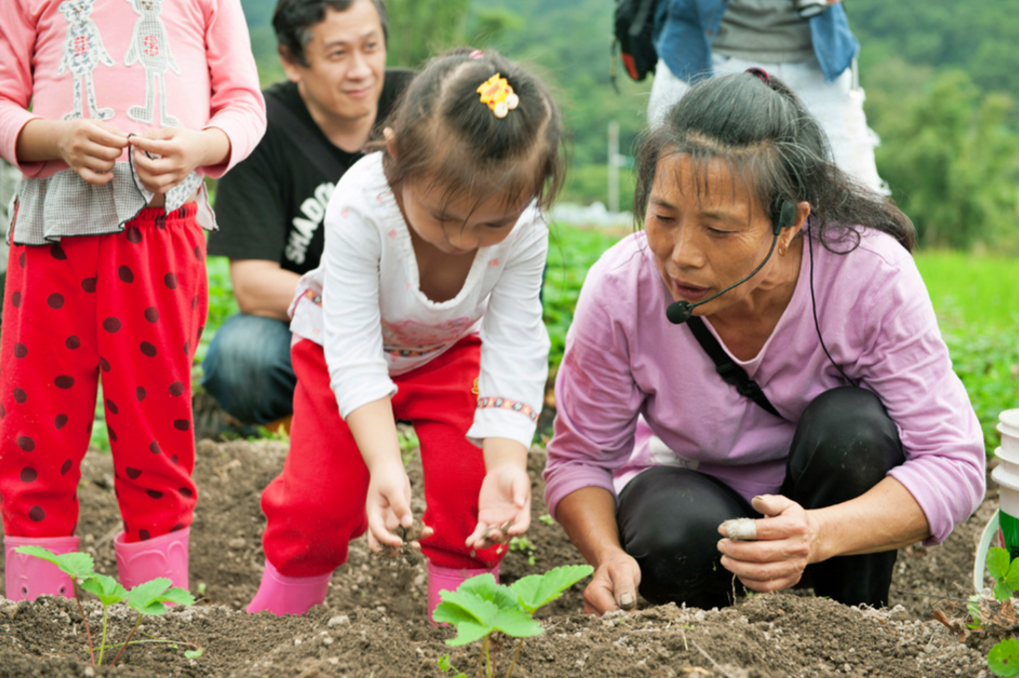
x,y
294,19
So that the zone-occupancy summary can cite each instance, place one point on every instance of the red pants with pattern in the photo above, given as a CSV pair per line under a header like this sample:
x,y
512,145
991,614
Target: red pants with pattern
x,y
127,307
316,506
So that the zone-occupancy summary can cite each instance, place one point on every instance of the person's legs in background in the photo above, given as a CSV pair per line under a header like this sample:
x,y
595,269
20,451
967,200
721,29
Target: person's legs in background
x,y
248,369
837,105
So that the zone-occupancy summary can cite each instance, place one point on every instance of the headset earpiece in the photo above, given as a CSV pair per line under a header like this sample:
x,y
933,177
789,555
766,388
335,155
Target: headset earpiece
x,y
785,215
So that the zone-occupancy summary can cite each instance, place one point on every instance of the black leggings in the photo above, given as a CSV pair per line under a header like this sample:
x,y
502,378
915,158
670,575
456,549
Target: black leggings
x,y
844,444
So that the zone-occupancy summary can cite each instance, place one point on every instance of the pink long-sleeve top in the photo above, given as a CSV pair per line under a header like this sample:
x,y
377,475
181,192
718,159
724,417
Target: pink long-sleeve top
x,y
116,61
636,391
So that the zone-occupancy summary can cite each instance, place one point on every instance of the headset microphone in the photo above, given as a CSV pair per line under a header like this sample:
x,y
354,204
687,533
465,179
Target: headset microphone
x,y
679,312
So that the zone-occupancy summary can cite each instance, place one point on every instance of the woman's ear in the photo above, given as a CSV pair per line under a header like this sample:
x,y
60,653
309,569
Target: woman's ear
x,y
790,232
390,136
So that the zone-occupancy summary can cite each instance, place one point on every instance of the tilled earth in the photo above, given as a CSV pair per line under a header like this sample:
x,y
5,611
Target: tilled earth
x,y
373,622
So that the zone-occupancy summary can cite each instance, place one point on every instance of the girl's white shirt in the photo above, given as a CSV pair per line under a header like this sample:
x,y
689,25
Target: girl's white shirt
x,y
364,306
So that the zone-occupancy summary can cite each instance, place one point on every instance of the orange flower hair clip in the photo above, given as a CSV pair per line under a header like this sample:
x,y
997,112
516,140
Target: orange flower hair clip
x,y
497,94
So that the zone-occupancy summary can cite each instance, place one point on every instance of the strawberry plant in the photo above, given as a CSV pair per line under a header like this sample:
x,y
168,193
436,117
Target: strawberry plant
x,y
479,607
147,599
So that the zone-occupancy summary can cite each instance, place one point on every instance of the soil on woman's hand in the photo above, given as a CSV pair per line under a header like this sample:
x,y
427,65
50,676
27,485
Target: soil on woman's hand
x,y
373,621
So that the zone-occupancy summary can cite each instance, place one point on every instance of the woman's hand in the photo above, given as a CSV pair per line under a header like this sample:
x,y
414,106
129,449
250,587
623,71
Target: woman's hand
x,y
164,157
90,148
388,506
504,506
613,585
786,544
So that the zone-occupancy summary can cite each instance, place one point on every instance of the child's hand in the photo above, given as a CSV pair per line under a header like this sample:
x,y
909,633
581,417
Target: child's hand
x,y
177,153
387,506
504,506
91,149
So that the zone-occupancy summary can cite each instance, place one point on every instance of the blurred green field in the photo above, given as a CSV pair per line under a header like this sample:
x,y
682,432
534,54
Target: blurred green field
x,y
976,298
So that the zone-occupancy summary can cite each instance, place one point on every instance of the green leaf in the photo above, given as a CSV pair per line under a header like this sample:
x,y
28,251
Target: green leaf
x,y
107,589
145,598
75,564
1002,592
538,590
484,586
468,632
997,562
444,664
517,623
194,654
179,596
1004,658
464,606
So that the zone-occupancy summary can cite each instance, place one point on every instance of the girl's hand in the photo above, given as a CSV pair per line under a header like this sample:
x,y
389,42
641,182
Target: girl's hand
x,y
786,543
91,149
164,157
388,506
504,506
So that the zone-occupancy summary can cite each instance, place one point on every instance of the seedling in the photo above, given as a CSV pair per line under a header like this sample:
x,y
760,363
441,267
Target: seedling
x,y
146,599
1005,572
446,666
1003,659
526,548
479,607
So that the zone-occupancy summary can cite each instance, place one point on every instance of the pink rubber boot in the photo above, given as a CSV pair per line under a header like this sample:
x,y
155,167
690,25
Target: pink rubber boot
x,y
165,556
448,579
29,577
288,595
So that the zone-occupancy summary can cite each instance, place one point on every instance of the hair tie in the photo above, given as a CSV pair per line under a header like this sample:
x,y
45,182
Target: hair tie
x,y
760,73
476,54
497,94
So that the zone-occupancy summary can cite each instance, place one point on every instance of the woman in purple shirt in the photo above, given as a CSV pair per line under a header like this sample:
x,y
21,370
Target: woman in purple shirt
x,y
865,440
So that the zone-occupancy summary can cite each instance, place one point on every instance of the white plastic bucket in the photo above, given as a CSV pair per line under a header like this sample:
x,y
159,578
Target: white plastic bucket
x,y
1003,528
1008,427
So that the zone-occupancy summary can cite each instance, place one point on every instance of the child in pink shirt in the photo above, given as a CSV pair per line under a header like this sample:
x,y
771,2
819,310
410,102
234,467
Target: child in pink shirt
x,y
113,110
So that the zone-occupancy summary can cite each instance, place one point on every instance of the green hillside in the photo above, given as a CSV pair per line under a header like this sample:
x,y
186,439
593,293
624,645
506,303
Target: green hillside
x,y
938,74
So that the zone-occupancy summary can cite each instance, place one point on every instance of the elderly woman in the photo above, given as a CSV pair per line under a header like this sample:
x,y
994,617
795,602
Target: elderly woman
x,y
826,411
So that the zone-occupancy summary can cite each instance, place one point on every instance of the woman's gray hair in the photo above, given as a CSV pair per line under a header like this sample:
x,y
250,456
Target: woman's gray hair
x,y
775,149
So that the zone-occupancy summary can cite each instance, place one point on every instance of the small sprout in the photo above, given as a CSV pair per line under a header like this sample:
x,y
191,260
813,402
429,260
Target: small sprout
x,y
480,607
201,589
194,654
1005,572
76,565
547,519
149,598
1003,658
446,666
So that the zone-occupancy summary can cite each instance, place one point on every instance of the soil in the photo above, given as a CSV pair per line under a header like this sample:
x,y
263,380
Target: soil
x,y
373,622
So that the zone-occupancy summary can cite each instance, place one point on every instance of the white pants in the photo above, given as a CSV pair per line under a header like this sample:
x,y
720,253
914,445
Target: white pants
x,y
837,105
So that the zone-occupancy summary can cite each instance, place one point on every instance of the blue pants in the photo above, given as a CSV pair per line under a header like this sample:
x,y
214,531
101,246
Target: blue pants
x,y
248,370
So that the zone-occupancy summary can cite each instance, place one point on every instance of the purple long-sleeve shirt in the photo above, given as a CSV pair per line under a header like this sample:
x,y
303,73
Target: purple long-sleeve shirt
x,y
629,375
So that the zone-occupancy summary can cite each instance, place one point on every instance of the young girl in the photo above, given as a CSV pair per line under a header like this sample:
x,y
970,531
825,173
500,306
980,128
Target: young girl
x,y
425,308
132,101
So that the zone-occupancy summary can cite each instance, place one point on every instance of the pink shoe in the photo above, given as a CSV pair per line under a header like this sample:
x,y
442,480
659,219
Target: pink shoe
x,y
165,556
448,579
29,577
288,595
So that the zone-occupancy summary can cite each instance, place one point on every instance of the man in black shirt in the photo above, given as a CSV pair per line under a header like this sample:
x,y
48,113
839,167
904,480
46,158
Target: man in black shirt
x,y
271,206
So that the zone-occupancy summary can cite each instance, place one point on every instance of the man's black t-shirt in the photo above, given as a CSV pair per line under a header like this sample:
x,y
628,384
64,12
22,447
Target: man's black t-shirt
x,y
271,206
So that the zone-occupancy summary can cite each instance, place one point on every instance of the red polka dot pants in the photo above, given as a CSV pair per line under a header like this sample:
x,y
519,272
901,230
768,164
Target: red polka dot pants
x,y
125,307
316,506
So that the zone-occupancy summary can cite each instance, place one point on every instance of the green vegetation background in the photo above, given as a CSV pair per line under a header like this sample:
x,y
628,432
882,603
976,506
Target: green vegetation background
x,y
937,75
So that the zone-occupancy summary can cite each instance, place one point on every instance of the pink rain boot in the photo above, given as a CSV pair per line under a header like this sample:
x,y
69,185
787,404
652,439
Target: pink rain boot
x,y
288,595
448,579
29,577
165,556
